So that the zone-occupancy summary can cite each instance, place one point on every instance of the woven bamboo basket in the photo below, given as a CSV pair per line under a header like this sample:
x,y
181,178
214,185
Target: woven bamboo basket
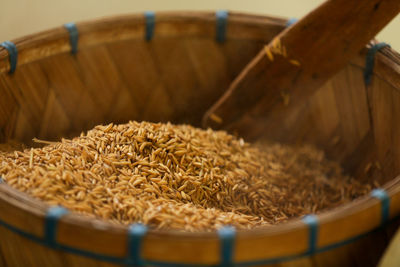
x,y
172,67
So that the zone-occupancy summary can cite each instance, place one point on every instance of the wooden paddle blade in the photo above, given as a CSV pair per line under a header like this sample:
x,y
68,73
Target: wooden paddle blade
x,y
300,59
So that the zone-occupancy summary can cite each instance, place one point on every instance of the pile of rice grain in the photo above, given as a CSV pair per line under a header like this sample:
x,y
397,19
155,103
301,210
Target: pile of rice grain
x,y
179,177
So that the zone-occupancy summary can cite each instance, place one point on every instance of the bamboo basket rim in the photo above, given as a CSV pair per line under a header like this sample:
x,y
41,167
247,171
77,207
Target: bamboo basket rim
x,y
57,41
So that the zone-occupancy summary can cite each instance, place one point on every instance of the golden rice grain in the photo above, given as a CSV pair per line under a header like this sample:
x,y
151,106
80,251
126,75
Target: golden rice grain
x,y
180,177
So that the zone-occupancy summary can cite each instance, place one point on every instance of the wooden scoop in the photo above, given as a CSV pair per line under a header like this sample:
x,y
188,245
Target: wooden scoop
x,y
299,60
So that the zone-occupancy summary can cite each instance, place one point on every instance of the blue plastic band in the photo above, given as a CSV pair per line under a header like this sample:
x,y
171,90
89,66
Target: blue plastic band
x,y
227,238
1,180
12,54
385,203
73,36
222,21
312,223
136,233
51,223
150,17
370,61
119,260
291,21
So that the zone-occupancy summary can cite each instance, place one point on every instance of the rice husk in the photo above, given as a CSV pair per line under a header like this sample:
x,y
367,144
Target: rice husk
x,y
179,177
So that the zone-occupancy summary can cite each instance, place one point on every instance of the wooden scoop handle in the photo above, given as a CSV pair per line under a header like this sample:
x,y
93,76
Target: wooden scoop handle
x,y
299,60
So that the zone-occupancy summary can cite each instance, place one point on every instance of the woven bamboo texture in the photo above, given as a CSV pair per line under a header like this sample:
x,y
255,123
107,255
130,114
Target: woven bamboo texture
x,y
117,75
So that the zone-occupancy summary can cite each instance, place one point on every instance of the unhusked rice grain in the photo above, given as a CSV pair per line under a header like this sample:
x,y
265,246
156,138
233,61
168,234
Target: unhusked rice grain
x,y
179,177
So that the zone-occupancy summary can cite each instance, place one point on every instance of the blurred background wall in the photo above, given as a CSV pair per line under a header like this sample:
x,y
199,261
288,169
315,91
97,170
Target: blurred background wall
x,y
21,17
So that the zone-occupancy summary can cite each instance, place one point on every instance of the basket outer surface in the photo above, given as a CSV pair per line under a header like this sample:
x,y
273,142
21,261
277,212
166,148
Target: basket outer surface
x,y
117,75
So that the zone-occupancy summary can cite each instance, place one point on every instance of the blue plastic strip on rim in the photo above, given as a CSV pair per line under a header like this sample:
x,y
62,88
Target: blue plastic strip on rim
x,y
117,260
222,21
73,36
370,61
312,223
227,236
291,21
51,223
382,195
136,233
73,250
12,54
150,18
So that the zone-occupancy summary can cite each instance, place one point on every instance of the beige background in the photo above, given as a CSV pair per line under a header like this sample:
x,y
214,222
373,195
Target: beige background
x,y
20,17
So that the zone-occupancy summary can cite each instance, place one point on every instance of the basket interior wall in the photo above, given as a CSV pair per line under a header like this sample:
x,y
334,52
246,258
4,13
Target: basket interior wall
x,y
177,79
168,79
353,123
